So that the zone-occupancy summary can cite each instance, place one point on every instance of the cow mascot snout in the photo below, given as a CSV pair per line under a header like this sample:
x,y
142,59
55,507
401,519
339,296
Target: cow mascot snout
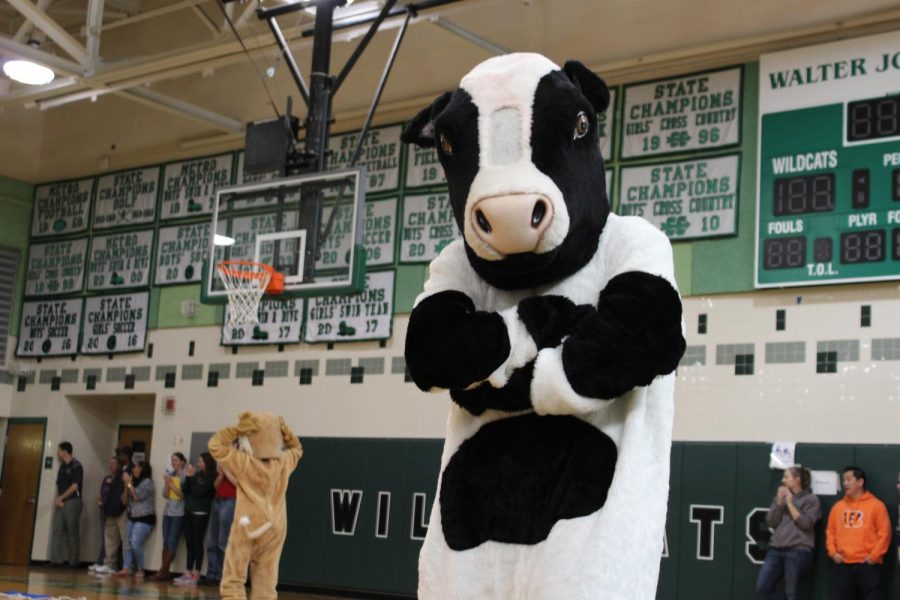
x,y
556,327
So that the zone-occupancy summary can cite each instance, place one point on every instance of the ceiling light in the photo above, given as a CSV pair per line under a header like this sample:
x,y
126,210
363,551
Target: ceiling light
x,y
222,240
25,71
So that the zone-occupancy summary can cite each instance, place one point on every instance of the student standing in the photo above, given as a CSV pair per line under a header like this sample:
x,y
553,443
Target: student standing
x,y
66,525
792,515
199,489
858,535
138,495
173,513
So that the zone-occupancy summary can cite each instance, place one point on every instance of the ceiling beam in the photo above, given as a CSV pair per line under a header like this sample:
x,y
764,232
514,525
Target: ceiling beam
x,y
93,25
131,7
53,30
469,36
26,28
51,61
181,108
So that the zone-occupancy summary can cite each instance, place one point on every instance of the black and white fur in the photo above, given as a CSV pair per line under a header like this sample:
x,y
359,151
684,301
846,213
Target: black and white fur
x,y
554,475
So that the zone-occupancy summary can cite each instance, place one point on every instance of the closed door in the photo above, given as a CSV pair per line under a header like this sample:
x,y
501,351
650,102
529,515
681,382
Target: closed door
x,y
21,472
138,437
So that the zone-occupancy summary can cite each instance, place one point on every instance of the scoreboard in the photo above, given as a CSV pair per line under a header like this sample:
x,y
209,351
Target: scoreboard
x,y
828,206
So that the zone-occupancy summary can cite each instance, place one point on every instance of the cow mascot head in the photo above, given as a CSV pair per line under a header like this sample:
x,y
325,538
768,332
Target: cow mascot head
x,y
556,327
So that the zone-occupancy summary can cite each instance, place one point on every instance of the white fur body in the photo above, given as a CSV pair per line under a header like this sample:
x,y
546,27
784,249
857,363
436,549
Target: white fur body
x,y
613,553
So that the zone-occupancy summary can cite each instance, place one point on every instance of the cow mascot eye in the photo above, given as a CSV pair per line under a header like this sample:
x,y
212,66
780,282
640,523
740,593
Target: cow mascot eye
x,y
582,124
446,146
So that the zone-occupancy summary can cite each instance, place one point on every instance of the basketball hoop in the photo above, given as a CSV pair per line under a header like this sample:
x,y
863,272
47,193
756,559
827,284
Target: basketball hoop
x,y
245,283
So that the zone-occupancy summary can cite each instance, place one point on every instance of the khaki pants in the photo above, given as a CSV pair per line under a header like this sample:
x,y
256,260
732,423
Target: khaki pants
x,y
114,533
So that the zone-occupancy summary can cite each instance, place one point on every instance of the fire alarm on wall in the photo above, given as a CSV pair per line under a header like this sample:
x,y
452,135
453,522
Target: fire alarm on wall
x,y
168,405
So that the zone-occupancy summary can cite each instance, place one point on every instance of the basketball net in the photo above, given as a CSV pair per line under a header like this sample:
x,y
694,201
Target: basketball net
x,y
245,283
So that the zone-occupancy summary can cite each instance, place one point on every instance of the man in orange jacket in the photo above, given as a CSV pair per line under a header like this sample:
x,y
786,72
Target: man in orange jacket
x,y
857,538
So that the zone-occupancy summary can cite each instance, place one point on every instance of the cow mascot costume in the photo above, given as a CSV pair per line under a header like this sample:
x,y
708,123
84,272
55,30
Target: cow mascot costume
x,y
261,452
556,327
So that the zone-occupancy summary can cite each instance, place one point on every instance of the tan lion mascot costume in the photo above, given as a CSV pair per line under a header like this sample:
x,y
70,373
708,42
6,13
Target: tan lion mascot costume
x,y
261,452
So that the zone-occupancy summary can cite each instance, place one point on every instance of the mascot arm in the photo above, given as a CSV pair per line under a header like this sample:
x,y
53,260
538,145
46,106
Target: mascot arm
x,y
450,344
221,448
293,448
634,334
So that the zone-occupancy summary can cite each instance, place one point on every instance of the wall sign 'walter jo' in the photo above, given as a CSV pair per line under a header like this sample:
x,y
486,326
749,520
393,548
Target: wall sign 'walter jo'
x,y
114,324
829,163
49,327
697,112
61,208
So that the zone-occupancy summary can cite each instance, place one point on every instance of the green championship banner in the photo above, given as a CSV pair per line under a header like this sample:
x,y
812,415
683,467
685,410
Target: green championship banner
x,y
428,225
49,327
423,167
120,260
687,199
265,199
379,236
380,156
114,324
61,208
189,187
353,318
56,268
697,112
180,252
280,322
126,198
605,126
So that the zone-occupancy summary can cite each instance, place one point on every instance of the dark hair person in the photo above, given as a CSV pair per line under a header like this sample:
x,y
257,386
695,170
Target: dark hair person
x,y
199,488
792,516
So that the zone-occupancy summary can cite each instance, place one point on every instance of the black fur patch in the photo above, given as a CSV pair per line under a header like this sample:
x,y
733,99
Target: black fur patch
x,y
420,130
634,336
576,167
451,345
516,477
514,396
548,319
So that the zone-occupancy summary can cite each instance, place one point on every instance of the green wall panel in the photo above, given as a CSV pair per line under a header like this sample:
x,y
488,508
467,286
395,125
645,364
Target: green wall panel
x,y
16,201
726,265
165,308
409,283
731,476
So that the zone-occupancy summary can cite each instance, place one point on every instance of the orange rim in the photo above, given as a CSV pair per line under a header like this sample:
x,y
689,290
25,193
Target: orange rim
x,y
276,279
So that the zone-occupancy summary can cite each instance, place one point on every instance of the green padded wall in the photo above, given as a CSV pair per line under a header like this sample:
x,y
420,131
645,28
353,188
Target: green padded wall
x,y
726,480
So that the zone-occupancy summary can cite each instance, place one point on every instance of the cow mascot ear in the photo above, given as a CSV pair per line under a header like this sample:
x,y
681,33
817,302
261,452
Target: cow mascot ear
x,y
420,130
589,83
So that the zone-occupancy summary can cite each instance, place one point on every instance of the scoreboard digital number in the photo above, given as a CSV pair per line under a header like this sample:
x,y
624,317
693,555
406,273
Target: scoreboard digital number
x,y
828,207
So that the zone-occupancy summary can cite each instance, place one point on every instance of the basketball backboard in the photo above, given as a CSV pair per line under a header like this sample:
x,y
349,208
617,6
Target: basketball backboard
x,y
309,228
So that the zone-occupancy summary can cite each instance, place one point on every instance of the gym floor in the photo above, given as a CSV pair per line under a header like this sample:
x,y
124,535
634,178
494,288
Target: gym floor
x,y
75,584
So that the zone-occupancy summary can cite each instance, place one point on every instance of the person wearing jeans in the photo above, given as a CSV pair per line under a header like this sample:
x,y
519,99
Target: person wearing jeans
x,y
139,495
173,513
792,516
220,517
105,486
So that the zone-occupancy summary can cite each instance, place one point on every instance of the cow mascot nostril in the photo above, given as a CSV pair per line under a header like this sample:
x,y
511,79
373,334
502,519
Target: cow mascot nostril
x,y
556,327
